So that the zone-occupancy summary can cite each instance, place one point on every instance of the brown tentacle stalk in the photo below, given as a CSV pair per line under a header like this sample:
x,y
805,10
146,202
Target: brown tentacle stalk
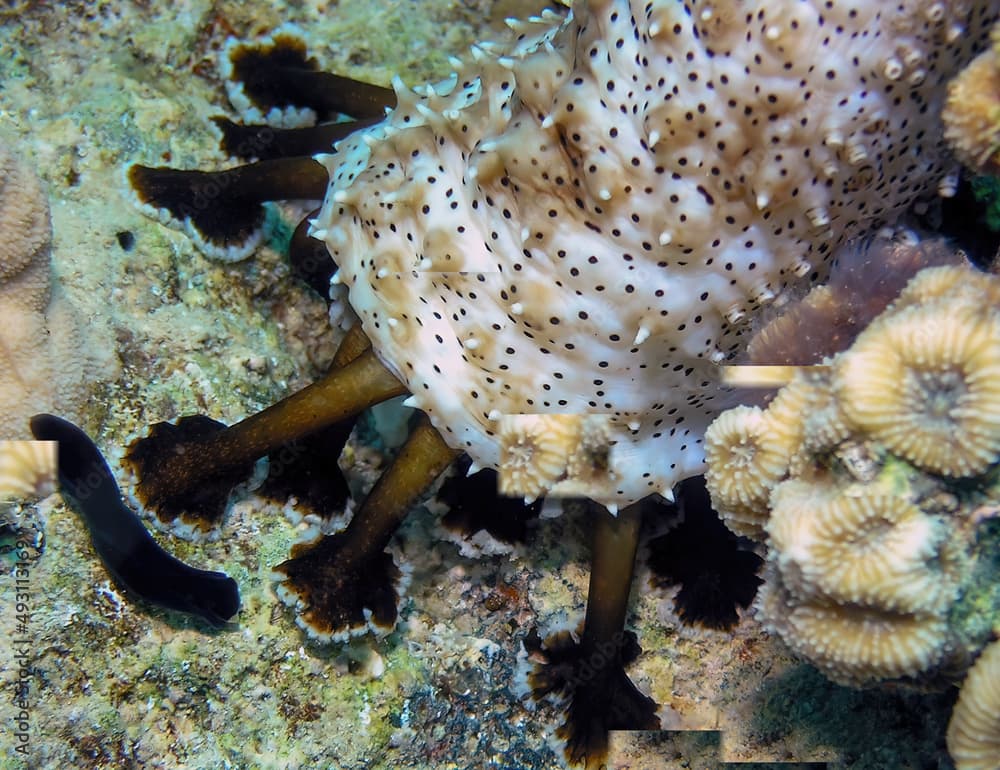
x,y
355,343
421,459
222,209
194,464
347,582
281,74
306,468
256,142
590,675
614,544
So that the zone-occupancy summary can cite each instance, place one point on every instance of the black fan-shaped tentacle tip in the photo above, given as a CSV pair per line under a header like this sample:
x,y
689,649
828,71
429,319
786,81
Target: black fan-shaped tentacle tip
x,y
187,471
268,82
587,676
276,81
305,469
346,584
715,569
478,519
223,211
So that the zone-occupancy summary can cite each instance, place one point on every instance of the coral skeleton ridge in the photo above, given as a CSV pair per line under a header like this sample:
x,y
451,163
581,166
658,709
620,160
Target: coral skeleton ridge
x,y
584,223
27,469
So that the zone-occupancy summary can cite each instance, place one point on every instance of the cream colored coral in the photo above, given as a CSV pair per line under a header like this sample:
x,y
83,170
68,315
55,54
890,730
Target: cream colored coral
x,y
925,382
861,545
858,646
25,233
49,359
808,417
747,456
974,728
972,112
27,468
952,283
869,558
553,454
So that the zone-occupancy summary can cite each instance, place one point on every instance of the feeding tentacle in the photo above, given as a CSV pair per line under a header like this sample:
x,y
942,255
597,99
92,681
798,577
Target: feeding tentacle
x,y
347,583
591,674
185,471
222,210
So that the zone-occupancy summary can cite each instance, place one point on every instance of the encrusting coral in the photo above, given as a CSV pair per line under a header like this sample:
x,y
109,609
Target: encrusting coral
x,y
924,381
579,223
974,729
867,275
48,360
746,457
859,581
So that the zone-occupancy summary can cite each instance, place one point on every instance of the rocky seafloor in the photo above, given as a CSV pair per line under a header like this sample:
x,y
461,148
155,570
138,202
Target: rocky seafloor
x,y
89,87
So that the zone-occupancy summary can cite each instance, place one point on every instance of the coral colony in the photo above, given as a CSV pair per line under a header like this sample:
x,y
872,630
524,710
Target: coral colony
x,y
553,252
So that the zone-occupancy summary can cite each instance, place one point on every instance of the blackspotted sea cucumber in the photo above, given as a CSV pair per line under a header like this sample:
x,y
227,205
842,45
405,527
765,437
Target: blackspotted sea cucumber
x,y
553,251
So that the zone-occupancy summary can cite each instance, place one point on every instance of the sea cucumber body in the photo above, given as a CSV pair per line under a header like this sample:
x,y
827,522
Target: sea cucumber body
x,y
584,222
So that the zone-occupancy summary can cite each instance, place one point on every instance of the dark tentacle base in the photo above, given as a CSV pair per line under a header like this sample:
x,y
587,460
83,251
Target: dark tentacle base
x,y
716,570
265,143
281,74
223,210
306,468
346,582
190,476
311,262
474,506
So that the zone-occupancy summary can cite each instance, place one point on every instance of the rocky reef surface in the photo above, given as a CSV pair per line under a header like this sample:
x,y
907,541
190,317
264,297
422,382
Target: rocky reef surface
x,y
91,87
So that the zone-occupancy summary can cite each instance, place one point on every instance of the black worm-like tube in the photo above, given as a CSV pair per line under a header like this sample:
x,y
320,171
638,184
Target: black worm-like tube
x,y
129,553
